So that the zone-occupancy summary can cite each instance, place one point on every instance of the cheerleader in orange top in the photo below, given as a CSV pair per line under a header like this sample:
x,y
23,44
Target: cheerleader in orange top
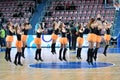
x,y
91,39
107,36
9,40
26,27
63,41
54,37
80,40
19,45
98,36
37,41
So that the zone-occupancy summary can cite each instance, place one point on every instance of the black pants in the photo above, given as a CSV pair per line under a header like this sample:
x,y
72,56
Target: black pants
x,y
2,42
74,42
70,42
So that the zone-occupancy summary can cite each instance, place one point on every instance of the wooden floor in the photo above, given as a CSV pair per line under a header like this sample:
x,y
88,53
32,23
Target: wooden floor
x,y
8,71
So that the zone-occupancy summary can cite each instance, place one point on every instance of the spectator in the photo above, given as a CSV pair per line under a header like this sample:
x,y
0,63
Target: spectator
x,y
67,5
60,6
74,36
31,8
2,37
1,14
3,20
20,4
38,1
20,14
72,6
15,15
69,35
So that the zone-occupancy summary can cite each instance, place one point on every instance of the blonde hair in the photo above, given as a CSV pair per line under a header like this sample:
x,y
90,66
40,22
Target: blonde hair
x,y
61,25
90,22
54,24
8,24
79,26
16,27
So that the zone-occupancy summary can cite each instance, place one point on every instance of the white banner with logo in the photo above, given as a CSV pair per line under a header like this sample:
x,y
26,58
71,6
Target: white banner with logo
x,y
46,41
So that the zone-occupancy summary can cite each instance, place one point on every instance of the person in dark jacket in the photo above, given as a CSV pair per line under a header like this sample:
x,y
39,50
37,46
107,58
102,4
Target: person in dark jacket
x,y
73,36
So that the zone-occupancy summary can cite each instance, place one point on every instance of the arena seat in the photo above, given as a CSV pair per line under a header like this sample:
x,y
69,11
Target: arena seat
x,y
20,9
84,10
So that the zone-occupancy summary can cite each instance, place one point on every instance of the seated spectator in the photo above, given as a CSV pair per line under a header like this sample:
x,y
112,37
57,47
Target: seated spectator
x,y
15,15
67,6
72,6
60,6
3,20
20,4
20,14
1,14
48,14
31,8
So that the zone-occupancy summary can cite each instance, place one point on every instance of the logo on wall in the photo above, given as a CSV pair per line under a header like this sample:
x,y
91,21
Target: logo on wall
x,y
46,39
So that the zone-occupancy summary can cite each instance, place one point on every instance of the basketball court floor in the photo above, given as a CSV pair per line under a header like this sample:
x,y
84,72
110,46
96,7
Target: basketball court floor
x,y
105,68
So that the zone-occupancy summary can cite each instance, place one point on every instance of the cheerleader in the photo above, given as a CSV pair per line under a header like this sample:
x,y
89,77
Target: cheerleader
x,y
26,27
91,39
9,40
19,45
37,41
80,41
54,37
98,37
63,41
107,36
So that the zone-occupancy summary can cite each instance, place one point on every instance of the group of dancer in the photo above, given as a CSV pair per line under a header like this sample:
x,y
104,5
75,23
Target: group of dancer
x,y
94,37
95,25
21,32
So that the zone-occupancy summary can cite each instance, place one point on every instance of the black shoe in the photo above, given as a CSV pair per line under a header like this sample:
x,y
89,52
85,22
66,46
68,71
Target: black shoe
x,y
64,59
15,63
23,56
104,53
55,52
91,62
9,60
41,59
60,59
105,50
52,52
80,57
6,58
95,58
77,57
36,59
20,64
88,62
